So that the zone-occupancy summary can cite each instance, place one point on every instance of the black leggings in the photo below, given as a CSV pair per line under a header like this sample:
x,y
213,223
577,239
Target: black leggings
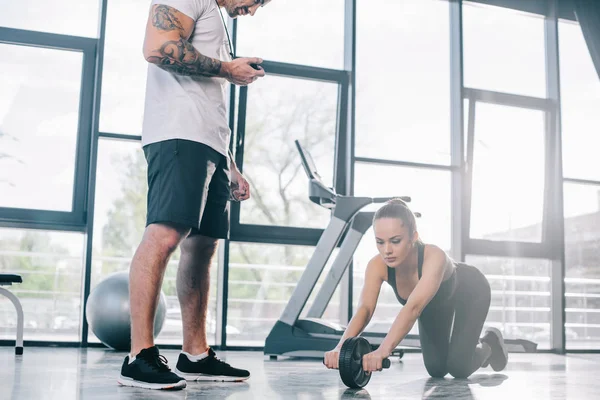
x,y
449,348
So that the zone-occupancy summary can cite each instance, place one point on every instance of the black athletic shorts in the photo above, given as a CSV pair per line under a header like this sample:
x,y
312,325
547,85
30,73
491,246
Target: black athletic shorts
x,y
188,184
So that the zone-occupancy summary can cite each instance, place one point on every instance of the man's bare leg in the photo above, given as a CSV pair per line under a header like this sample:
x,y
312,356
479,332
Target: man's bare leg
x,y
193,283
146,277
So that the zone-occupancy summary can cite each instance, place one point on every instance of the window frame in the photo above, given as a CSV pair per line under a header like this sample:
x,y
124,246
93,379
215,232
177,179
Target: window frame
x,y
74,220
278,234
476,246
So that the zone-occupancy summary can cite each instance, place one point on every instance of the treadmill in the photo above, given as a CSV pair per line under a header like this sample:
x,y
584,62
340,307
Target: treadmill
x,y
312,336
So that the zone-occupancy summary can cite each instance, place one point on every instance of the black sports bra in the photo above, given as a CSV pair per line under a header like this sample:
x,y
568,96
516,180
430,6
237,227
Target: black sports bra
x,y
445,291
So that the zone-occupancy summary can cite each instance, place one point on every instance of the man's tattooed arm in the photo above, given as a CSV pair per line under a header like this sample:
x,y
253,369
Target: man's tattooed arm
x,y
176,54
165,19
180,57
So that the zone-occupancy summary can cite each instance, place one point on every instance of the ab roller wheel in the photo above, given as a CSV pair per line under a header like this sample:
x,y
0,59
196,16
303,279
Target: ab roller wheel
x,y
350,364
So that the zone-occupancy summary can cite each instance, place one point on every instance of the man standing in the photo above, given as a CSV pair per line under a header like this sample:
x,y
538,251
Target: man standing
x,y
191,178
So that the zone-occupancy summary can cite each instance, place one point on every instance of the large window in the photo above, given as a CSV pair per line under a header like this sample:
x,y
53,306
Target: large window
x,y
503,50
119,222
507,137
51,265
508,173
280,110
402,80
402,114
124,69
39,114
308,32
580,102
67,17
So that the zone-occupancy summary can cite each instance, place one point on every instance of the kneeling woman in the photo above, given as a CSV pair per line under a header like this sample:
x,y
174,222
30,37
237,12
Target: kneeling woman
x,y
450,300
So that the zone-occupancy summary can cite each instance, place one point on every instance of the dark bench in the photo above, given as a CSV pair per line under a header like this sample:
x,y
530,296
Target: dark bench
x,y
8,279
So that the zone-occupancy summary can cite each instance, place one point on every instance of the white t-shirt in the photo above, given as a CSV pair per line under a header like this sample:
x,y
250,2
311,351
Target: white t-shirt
x,y
185,107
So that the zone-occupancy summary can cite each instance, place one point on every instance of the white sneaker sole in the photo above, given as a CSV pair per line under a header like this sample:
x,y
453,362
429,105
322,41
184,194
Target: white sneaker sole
x,y
126,381
209,378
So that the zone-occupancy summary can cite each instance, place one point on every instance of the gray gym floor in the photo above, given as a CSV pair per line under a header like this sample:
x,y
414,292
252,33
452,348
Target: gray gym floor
x,y
62,373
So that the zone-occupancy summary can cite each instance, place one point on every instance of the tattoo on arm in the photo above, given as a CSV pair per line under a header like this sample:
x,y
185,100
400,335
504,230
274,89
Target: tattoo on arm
x,y
180,57
164,18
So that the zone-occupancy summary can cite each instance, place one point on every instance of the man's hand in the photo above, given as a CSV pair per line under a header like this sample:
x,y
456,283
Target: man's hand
x,y
373,361
240,72
240,188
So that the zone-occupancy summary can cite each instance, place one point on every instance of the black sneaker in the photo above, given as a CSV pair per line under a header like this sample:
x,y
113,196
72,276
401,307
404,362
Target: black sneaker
x,y
209,369
499,358
149,370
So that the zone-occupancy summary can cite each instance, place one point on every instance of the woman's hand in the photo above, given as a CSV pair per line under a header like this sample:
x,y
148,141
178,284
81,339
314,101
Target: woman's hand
x,y
373,361
332,358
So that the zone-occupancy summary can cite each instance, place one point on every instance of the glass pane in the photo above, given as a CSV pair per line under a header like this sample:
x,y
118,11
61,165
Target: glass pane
x,y
582,282
332,312
50,264
580,102
508,174
125,69
521,300
503,50
67,17
262,278
119,222
39,112
281,110
279,32
430,192
404,115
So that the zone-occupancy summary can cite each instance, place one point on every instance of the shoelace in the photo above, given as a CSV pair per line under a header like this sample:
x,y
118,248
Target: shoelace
x,y
216,359
158,362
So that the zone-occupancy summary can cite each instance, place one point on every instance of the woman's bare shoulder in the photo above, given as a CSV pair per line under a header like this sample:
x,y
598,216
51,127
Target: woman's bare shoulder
x,y
378,266
434,252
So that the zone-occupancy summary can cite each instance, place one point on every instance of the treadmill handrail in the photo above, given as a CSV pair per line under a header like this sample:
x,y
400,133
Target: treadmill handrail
x,y
307,162
319,193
